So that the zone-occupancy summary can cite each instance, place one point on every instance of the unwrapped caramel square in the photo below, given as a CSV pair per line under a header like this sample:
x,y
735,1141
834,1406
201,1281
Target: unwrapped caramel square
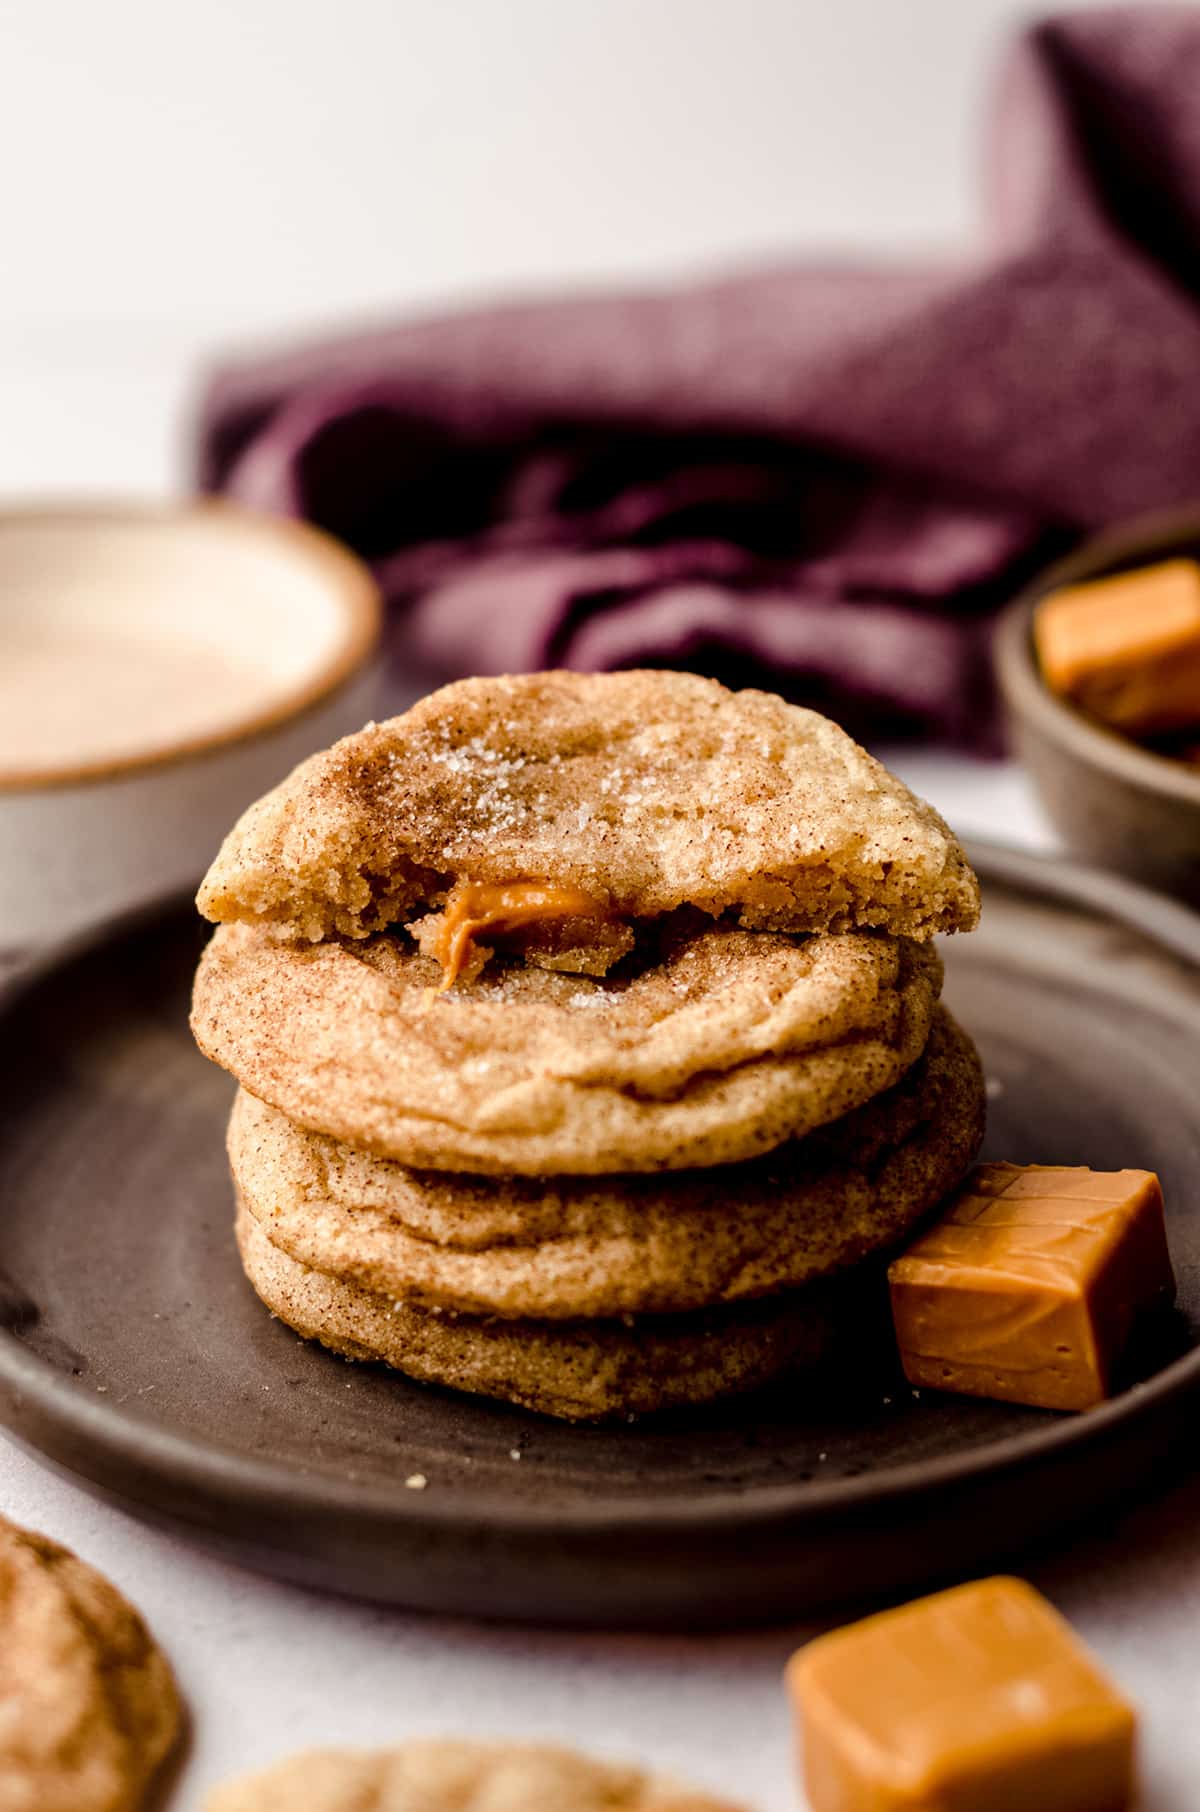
x,y
1127,649
1030,1284
980,1699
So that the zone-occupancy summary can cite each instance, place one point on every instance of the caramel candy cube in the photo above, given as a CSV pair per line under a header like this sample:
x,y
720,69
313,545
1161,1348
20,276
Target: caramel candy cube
x,y
1127,650
1028,1287
981,1699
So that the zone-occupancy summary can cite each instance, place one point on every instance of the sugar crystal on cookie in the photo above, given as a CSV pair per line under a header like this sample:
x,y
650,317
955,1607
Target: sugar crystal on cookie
x,y
733,803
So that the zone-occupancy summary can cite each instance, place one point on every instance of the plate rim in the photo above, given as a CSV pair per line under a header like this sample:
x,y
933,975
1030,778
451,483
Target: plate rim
x,y
224,1476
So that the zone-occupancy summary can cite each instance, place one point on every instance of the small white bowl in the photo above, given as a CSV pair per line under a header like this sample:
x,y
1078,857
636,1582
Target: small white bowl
x,y
160,667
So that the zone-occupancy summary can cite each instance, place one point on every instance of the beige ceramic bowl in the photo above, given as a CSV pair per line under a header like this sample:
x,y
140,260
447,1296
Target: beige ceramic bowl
x,y
159,668
1114,802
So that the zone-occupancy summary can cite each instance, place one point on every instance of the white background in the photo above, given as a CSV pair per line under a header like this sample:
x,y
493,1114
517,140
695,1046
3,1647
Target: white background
x,y
177,176
178,173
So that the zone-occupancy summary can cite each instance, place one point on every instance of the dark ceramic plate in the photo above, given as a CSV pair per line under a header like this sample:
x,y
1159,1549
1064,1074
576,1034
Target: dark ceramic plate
x,y
133,1353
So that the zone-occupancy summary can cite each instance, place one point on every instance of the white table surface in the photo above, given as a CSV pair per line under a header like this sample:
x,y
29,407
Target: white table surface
x,y
268,1668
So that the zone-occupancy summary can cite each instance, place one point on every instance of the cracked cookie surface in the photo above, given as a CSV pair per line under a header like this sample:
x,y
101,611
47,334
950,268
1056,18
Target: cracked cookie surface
x,y
722,1046
511,1246
647,790
580,1371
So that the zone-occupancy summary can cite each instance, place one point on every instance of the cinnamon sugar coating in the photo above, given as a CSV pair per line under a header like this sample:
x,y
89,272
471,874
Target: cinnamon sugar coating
x,y
723,1045
557,1249
591,1370
646,790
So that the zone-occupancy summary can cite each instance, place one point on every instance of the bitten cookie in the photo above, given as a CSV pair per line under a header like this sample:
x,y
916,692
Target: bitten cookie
x,y
88,1706
646,791
457,1776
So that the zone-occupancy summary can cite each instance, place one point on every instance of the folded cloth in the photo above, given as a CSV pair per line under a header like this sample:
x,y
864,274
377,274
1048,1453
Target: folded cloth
x,y
827,477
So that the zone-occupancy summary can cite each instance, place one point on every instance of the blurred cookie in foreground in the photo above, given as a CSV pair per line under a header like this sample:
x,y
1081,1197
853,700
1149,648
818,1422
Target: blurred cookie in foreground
x,y
980,1698
88,1706
1031,1284
458,1776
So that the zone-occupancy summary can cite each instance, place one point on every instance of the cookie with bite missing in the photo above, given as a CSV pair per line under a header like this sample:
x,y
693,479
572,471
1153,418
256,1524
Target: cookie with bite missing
x,y
558,1249
636,793
454,1775
716,1045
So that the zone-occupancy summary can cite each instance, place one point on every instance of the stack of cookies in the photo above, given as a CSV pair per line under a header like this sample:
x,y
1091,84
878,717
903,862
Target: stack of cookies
x,y
588,1035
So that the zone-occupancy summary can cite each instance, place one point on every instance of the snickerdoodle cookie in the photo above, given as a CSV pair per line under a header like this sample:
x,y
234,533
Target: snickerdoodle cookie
x,y
454,1775
512,1246
639,792
588,1037
719,1045
580,1371
88,1706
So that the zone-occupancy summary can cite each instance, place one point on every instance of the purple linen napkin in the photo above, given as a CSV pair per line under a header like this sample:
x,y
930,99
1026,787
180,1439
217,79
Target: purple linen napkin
x,y
826,478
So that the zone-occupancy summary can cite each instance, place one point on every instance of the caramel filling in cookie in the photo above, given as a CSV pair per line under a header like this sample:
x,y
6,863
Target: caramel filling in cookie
x,y
476,909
